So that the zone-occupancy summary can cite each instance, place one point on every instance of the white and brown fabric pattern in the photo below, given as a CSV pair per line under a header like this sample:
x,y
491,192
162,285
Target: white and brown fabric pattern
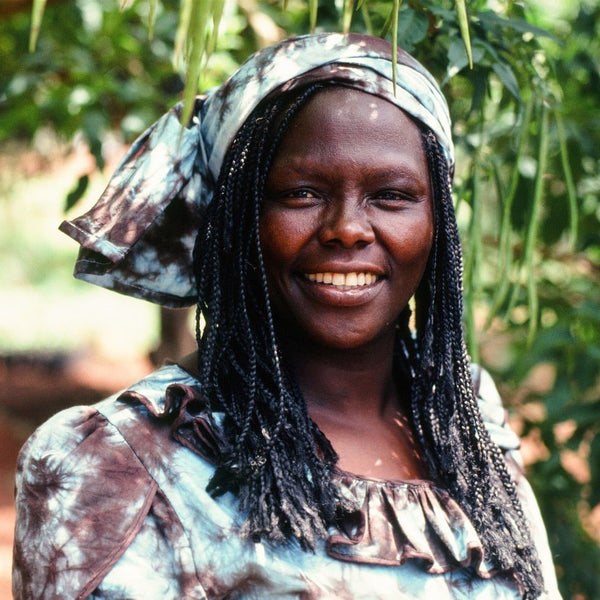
x,y
112,505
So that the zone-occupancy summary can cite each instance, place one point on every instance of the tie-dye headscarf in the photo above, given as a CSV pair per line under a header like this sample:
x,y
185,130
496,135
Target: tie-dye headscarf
x,y
138,239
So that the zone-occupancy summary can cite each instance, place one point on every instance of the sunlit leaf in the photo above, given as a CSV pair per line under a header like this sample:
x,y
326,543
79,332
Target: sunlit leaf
x,y
152,18
490,18
505,234
313,7
183,28
396,11
571,191
37,12
364,10
217,15
534,223
347,18
196,45
463,24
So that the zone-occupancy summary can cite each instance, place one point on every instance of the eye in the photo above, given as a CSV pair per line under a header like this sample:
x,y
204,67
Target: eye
x,y
392,199
296,198
302,193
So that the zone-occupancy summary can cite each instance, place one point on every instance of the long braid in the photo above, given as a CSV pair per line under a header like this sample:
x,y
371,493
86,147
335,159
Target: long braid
x,y
448,423
270,459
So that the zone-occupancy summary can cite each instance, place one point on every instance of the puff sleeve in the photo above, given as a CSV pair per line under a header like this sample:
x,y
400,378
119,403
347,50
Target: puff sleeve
x,y
81,498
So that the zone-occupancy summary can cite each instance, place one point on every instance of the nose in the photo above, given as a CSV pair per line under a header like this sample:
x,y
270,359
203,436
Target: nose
x,y
346,224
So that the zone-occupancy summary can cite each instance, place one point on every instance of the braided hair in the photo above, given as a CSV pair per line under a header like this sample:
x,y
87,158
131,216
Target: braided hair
x,y
269,457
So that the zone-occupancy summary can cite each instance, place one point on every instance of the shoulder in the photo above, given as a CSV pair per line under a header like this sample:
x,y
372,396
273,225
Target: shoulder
x,y
82,494
81,438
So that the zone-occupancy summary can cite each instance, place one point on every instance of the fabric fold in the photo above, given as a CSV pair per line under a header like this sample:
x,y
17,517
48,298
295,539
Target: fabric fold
x,y
143,227
191,423
401,521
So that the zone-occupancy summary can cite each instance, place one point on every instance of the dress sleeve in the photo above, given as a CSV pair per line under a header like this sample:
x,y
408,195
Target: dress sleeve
x,y
81,498
494,417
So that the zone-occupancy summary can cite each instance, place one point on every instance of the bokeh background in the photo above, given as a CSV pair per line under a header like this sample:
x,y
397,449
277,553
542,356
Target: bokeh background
x,y
527,127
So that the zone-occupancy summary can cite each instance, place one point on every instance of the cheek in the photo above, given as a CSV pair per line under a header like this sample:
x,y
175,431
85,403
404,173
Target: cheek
x,y
272,243
413,247
281,238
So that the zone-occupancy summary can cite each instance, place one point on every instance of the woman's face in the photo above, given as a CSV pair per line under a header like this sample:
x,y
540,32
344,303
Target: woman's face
x,y
347,221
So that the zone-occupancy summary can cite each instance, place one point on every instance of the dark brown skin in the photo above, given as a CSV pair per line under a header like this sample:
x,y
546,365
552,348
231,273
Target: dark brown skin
x,y
349,192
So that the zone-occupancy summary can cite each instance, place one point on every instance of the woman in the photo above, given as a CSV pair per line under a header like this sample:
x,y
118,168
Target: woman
x,y
322,443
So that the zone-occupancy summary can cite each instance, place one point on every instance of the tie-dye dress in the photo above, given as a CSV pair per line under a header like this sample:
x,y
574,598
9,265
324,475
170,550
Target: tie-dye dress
x,y
112,504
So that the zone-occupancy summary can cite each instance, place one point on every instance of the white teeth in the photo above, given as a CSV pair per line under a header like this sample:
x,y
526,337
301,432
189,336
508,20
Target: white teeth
x,y
343,280
352,279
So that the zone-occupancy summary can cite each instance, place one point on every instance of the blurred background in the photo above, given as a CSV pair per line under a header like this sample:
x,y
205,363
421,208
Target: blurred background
x,y
527,187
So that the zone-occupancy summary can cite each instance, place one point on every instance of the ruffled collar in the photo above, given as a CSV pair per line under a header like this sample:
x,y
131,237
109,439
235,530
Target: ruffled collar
x,y
398,521
394,521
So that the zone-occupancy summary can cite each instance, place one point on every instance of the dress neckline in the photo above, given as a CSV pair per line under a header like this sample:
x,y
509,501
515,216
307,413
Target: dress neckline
x,y
390,522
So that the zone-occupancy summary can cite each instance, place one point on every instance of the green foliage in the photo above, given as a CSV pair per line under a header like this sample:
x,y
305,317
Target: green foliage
x,y
100,73
568,271
571,345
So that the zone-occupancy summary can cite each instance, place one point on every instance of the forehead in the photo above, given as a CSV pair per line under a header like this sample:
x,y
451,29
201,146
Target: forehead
x,y
340,103
344,124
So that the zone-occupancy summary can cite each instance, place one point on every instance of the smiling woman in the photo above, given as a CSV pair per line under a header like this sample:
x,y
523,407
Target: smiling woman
x,y
347,196
323,442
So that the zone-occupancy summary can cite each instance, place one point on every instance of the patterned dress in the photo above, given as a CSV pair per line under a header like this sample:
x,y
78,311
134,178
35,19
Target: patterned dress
x,y
111,504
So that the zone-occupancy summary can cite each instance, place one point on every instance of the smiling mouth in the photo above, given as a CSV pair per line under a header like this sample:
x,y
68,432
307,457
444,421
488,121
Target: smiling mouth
x,y
343,281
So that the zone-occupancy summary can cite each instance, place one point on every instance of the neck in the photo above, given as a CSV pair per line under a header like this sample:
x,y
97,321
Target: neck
x,y
350,381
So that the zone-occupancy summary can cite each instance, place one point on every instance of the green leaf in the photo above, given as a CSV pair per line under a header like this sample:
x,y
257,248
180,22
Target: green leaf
x,y
347,19
463,25
412,28
218,8
587,414
458,59
505,262
570,185
395,41
183,28
313,8
200,12
489,18
507,76
594,461
37,12
152,18
77,192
